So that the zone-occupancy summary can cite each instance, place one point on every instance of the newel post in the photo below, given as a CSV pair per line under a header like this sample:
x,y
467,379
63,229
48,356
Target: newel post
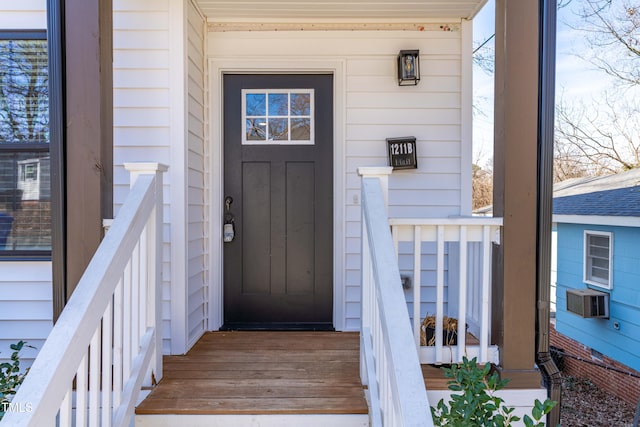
x,y
154,259
380,172
366,303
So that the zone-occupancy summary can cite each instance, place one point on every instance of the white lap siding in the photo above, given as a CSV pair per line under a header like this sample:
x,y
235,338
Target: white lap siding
x,y
23,15
142,107
159,113
197,233
26,307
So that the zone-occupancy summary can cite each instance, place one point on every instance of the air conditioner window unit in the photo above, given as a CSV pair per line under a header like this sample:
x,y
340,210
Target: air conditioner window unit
x,y
588,303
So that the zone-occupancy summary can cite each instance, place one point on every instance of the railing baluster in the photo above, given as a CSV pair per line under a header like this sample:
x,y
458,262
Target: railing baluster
x,y
94,379
385,395
475,301
486,288
107,356
144,283
439,291
66,411
395,236
462,295
81,392
118,316
135,301
417,288
126,321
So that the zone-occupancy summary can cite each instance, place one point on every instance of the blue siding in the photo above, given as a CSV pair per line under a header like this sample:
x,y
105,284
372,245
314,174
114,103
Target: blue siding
x,y
621,344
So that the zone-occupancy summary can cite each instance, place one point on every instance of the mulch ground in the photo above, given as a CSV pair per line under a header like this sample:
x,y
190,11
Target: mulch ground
x,y
585,405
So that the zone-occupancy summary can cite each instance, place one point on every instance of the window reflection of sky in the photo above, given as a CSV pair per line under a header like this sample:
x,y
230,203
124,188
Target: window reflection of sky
x,y
278,104
256,104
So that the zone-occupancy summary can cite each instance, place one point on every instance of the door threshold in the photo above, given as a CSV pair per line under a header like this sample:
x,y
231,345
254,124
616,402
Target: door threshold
x,y
277,326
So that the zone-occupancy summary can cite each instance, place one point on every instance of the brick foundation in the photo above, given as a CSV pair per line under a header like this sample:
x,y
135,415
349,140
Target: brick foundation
x,y
603,374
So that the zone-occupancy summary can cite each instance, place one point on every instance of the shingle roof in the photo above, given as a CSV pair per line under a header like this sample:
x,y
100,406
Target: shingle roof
x,y
612,195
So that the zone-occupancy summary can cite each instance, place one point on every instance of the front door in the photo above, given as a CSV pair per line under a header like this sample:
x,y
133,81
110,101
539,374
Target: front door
x,y
278,188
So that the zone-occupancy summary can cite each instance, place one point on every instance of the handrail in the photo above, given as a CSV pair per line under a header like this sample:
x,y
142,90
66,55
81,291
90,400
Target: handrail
x,y
469,254
454,220
117,301
389,359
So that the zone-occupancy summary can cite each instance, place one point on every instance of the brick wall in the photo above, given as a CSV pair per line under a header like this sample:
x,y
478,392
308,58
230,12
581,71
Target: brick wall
x,y
607,374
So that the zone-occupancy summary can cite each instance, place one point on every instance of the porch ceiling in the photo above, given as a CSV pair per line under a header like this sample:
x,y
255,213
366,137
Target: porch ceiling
x,y
342,10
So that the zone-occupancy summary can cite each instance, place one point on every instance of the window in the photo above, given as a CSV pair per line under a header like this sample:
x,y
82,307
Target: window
x,y
25,184
598,258
276,117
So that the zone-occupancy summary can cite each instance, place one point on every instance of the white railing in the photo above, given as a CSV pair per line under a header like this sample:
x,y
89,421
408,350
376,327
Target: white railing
x,y
449,263
107,341
389,360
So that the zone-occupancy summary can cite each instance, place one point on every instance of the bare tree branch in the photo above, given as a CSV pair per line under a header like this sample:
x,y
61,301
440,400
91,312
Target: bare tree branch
x,y
605,133
612,30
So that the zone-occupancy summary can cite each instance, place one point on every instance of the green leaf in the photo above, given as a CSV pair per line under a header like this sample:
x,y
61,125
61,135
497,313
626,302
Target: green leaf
x,y
18,346
474,403
528,422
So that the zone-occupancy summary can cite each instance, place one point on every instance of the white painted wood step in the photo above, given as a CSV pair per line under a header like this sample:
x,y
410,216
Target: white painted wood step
x,y
262,420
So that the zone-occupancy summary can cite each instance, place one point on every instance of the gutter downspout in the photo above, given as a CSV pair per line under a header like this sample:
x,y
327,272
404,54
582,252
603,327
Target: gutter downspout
x,y
546,99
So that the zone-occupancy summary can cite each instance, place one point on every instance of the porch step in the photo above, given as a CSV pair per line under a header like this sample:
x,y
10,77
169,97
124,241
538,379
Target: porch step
x,y
257,420
261,379
434,378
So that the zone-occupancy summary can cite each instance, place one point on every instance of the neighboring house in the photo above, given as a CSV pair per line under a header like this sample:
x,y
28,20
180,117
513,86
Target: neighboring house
x,y
598,270
264,113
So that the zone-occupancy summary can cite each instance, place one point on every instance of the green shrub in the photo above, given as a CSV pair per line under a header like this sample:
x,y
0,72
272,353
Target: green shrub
x,y
475,404
11,377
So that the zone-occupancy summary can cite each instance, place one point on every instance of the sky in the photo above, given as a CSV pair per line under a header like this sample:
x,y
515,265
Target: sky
x,y
574,77
483,29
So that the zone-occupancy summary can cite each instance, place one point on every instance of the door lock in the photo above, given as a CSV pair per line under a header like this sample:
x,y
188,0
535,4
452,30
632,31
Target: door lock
x,y
229,227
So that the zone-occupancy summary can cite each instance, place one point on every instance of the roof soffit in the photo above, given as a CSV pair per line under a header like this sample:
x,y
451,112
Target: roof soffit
x,y
356,11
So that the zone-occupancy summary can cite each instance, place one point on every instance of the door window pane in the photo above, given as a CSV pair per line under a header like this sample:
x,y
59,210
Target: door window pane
x,y
278,104
300,104
278,129
256,104
278,116
256,129
300,129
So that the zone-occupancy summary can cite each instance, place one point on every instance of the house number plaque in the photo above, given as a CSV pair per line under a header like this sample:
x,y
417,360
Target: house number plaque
x,y
402,153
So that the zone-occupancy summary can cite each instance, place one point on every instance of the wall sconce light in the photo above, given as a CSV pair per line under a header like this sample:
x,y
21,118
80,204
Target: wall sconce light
x,y
408,68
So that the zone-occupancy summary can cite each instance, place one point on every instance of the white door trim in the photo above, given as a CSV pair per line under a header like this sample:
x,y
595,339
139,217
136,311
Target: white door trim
x,y
219,67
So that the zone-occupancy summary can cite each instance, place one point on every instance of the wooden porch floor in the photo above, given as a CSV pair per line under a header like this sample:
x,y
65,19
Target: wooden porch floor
x,y
262,373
